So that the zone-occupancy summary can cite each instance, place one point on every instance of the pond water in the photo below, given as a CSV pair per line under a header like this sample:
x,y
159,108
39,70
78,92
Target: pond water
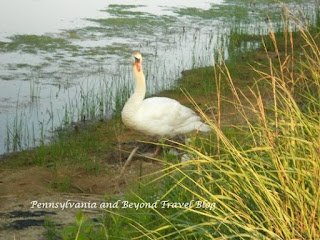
x,y
67,61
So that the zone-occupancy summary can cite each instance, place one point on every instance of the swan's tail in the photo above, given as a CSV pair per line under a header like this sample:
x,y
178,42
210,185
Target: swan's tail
x,y
194,126
204,127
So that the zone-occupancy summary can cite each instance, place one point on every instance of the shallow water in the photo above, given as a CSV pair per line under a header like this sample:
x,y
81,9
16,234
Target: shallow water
x,y
61,62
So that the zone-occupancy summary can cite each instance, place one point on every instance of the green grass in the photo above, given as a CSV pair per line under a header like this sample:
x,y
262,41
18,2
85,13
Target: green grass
x,y
71,148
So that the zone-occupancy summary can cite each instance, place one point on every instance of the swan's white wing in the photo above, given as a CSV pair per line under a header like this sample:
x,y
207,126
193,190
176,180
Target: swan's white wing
x,y
165,109
162,116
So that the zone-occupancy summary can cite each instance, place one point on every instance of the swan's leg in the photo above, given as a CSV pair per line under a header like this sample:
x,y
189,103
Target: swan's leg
x,y
159,147
153,154
157,151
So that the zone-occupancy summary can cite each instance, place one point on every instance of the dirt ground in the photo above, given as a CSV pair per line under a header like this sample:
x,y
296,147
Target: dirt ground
x,y
21,190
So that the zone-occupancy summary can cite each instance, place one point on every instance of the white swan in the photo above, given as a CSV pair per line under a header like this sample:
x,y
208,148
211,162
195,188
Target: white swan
x,y
157,116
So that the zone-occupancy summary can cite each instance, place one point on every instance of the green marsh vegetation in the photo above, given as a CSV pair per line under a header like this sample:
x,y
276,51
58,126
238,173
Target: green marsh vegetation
x,y
262,173
34,43
121,10
145,24
243,10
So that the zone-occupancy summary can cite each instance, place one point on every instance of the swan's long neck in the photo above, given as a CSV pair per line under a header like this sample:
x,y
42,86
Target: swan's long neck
x,y
140,88
128,114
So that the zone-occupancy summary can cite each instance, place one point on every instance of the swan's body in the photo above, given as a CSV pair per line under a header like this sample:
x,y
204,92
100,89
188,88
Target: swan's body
x,y
157,116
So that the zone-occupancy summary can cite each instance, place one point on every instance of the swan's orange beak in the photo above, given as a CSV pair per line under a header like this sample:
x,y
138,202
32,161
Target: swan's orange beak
x,y
138,64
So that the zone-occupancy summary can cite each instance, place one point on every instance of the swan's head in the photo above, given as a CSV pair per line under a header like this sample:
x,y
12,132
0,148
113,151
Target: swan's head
x,y
137,61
